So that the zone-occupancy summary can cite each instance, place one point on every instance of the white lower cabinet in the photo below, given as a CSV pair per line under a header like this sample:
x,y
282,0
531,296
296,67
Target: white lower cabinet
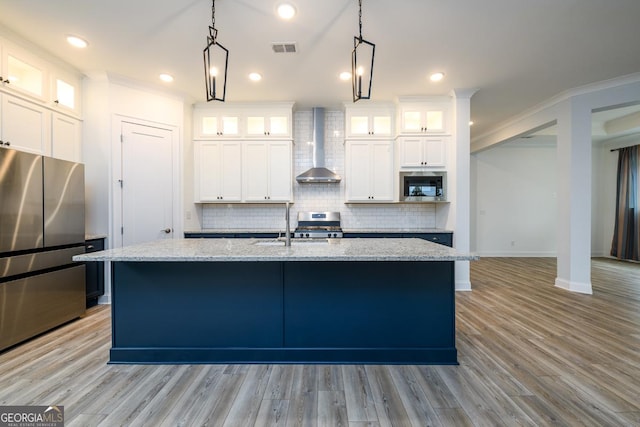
x,y
218,171
369,171
66,138
24,125
267,171
422,152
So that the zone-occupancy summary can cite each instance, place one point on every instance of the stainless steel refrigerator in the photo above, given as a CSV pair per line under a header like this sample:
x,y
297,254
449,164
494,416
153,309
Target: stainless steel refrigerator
x,y
41,229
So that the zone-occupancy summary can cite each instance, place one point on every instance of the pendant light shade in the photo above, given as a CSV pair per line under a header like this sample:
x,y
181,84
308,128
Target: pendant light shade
x,y
362,58
216,61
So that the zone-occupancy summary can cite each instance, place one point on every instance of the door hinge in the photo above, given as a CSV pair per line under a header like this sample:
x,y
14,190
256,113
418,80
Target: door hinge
x,y
120,181
121,230
121,138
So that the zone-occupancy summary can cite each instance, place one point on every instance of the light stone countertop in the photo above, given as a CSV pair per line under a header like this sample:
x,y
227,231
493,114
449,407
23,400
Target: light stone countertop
x,y
222,250
344,230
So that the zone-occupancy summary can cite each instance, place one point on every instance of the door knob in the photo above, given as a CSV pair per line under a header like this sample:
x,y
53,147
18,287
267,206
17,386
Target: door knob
x,y
167,230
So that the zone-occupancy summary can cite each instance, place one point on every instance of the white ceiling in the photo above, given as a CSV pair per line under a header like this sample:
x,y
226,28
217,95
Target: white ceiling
x,y
517,53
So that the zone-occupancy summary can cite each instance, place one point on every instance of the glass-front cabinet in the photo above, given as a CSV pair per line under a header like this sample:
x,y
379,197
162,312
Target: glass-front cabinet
x,y
214,124
24,73
369,121
424,118
276,124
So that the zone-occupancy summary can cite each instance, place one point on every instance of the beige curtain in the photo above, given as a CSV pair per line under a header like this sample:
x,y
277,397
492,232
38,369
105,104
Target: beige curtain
x,y
626,235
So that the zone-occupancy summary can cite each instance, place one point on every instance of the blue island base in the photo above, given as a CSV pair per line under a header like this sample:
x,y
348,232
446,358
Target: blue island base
x,y
400,312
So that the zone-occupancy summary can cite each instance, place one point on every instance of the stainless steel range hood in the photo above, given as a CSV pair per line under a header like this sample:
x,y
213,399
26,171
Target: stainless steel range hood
x,y
318,173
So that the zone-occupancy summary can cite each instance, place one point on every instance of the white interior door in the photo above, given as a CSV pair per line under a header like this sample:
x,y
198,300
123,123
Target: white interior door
x,y
147,190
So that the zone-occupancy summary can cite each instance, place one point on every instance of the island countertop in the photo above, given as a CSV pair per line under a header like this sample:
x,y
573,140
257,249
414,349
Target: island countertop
x,y
265,250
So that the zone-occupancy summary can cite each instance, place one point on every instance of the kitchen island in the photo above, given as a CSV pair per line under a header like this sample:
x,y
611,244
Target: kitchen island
x,y
258,301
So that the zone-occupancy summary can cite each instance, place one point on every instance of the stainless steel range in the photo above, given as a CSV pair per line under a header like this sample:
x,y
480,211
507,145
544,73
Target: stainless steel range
x,y
318,225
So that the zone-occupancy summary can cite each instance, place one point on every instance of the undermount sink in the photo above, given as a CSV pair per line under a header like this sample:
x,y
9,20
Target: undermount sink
x,y
296,242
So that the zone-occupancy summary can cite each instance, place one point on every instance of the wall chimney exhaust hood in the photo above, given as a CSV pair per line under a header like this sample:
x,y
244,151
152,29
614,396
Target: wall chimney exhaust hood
x,y
318,173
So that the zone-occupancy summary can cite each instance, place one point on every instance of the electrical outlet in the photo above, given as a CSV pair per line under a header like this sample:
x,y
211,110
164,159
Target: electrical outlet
x,y
513,243
188,215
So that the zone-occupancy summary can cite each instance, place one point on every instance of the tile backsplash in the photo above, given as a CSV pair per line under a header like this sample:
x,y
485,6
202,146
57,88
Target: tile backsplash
x,y
319,197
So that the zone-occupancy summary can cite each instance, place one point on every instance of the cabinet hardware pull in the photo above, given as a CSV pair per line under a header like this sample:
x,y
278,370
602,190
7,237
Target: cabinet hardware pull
x,y
167,230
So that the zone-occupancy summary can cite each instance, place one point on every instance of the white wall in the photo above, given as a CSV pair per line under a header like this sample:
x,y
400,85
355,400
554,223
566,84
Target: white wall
x,y
514,201
512,184
311,197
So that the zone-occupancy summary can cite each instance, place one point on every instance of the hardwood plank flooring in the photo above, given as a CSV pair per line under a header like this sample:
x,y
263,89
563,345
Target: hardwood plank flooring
x,y
529,353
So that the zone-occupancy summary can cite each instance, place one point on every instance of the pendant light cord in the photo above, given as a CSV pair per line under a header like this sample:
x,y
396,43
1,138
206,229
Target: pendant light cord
x,y
360,18
213,19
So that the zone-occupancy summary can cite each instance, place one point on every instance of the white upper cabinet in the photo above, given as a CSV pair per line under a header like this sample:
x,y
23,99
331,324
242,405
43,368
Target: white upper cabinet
x,y
369,171
369,121
218,171
267,171
66,137
422,152
24,73
66,91
268,124
24,125
424,118
240,120
216,123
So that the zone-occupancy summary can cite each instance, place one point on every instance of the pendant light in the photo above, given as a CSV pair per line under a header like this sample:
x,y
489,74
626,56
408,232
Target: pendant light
x,y
361,64
216,59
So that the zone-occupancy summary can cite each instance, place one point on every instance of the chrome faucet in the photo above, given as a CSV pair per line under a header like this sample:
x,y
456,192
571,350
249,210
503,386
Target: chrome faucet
x,y
287,237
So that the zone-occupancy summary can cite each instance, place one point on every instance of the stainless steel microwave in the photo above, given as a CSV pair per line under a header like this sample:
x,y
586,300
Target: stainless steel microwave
x,y
423,186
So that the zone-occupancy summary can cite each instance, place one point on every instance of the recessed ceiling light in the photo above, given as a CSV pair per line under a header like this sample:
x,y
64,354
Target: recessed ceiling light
x,y
76,41
256,77
167,78
286,11
345,75
436,77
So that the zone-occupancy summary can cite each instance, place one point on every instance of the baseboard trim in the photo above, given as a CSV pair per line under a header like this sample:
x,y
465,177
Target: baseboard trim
x,y
582,288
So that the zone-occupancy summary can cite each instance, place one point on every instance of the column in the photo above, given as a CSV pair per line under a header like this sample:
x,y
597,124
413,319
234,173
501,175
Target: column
x,y
462,183
574,196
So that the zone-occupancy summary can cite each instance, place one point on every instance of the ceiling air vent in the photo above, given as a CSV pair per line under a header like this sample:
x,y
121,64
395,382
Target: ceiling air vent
x,y
289,47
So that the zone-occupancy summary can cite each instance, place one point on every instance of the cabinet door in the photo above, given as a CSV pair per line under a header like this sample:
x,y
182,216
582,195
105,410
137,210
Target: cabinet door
x,y
208,159
66,138
66,92
382,171
25,125
434,152
411,152
358,171
219,177
255,171
256,125
267,125
209,124
411,120
26,73
279,125
280,171
361,124
423,119
231,171
358,125
381,125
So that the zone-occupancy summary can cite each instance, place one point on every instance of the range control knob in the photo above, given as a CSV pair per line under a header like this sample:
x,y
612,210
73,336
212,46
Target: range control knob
x,y
306,235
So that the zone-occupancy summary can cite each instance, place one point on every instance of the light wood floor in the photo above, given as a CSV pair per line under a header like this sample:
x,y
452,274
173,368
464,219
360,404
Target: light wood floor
x,y
530,354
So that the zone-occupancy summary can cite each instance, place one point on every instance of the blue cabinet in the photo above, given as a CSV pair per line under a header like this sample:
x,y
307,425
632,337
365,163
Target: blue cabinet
x,y
443,238
94,281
